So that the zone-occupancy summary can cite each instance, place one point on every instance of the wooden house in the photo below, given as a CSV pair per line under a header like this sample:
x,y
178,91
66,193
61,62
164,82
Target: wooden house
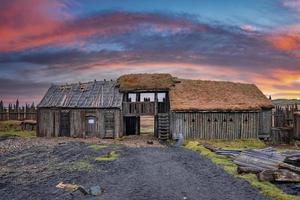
x,y
80,110
219,110
193,108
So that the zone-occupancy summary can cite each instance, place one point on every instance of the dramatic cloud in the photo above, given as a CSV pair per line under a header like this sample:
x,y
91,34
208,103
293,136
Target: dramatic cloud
x,y
44,42
287,39
36,28
292,4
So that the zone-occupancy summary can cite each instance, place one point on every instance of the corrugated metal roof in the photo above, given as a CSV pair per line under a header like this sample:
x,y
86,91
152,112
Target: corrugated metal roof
x,y
96,94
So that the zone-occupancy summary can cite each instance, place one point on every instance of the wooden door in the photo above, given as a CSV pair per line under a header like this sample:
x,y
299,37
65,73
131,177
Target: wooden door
x,y
109,125
90,125
64,128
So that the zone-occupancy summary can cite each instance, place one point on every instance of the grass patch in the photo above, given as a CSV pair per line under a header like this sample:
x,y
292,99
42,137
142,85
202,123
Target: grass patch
x,y
109,157
236,144
12,128
266,188
81,166
97,147
4,134
10,125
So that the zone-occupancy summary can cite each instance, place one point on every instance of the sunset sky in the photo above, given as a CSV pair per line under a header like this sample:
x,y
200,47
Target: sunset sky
x,y
60,41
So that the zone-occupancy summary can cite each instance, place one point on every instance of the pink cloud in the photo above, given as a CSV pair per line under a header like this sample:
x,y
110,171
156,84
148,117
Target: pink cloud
x,y
292,4
34,23
248,28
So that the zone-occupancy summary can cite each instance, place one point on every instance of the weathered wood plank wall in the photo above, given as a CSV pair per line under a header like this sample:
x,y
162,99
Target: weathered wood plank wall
x,y
297,126
49,122
215,125
265,122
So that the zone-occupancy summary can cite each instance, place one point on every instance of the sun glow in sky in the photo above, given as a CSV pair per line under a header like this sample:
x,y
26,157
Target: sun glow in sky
x,y
59,41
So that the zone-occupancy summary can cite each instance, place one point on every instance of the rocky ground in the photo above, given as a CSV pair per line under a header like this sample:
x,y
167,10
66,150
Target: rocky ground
x,y
33,168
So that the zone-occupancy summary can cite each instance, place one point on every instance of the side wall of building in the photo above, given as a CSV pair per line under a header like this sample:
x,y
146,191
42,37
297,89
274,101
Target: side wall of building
x,y
265,122
49,120
215,125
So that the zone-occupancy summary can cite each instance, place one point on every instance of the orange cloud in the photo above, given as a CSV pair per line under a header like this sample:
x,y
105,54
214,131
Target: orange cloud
x,y
286,38
280,83
34,23
286,42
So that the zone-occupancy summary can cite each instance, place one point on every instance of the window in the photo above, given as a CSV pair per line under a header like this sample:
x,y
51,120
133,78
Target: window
x,y
91,121
161,97
146,97
131,97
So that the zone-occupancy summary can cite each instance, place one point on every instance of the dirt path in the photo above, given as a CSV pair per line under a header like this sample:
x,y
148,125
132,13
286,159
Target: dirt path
x,y
139,173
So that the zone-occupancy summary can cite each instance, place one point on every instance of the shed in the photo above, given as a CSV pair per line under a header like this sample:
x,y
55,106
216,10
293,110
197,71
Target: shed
x,y
80,110
219,110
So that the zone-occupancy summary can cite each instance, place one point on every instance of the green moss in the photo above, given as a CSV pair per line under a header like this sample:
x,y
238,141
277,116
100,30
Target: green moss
x,y
10,125
12,128
82,165
109,157
17,134
97,147
236,144
266,188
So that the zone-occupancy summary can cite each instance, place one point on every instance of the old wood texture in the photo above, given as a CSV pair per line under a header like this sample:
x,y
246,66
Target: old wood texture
x,y
211,147
284,115
138,108
163,126
283,175
246,170
50,119
297,126
216,125
260,159
279,175
266,175
289,167
281,135
17,112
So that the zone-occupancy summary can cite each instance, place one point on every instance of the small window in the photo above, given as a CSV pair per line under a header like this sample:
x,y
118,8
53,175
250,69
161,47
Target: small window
x,y
147,97
215,120
131,97
246,120
208,120
91,121
161,97
224,120
231,120
193,120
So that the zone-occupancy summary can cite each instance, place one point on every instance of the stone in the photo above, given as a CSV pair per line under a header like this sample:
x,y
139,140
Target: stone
x,y
95,190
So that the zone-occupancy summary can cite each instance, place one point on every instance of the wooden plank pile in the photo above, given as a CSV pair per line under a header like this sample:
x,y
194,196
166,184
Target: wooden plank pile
x,y
268,164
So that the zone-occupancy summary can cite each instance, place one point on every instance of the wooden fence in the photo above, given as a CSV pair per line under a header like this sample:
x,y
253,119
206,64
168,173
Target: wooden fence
x,y
20,114
283,116
285,124
17,112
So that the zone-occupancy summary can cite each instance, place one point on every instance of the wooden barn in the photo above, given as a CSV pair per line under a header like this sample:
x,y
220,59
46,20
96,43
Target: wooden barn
x,y
193,108
146,95
219,110
80,110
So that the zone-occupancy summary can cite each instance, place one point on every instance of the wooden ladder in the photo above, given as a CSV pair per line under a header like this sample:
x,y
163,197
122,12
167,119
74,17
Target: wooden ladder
x,y
163,126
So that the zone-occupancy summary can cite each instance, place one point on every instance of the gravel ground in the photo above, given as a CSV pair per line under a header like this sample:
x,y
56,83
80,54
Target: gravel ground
x,y
140,173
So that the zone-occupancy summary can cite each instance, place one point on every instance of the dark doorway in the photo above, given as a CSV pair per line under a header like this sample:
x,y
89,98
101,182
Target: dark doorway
x,y
90,124
131,125
64,128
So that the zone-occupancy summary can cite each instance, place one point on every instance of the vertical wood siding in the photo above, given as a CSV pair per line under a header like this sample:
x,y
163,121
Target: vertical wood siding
x,y
49,122
215,125
265,122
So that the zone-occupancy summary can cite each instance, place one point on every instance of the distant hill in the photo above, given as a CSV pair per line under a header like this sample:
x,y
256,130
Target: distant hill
x,y
282,102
